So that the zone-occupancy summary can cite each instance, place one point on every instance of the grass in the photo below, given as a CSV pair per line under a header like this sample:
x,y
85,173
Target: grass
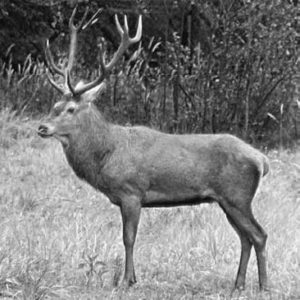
x,y
60,239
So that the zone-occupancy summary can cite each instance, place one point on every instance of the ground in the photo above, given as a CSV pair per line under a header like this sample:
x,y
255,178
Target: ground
x,y
61,239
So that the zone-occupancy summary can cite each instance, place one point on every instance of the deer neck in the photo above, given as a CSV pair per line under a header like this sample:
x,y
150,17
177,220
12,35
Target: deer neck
x,y
91,146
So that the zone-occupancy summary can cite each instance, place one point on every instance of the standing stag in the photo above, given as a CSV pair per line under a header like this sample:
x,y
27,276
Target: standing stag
x,y
139,167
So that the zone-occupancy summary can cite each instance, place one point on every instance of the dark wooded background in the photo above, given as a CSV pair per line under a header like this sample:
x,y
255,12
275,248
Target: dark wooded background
x,y
202,66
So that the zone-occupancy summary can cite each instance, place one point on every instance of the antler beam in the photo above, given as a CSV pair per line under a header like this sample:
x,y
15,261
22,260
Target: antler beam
x,y
74,30
126,41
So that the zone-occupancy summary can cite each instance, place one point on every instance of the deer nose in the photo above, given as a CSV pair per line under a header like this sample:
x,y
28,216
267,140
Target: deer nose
x,y
43,131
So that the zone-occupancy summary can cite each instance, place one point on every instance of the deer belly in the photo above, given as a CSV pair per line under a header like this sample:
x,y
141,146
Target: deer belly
x,y
160,199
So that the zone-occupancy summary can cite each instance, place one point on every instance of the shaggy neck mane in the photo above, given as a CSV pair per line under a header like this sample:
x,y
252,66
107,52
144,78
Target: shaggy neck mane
x,y
94,128
91,145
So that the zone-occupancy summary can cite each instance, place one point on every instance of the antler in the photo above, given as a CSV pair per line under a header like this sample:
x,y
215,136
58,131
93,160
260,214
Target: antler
x,y
74,29
126,41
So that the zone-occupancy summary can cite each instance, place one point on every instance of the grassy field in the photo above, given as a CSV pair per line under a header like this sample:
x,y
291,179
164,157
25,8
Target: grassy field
x,y
60,239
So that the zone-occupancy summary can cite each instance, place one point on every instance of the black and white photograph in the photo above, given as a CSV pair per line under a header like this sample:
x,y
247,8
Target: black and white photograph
x,y
150,149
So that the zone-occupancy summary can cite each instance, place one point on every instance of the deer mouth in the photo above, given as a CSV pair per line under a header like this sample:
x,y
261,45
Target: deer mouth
x,y
44,131
47,131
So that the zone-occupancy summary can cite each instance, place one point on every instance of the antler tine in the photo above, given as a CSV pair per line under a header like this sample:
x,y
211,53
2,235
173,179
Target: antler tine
x,y
126,41
102,59
125,33
138,32
92,19
98,80
126,29
52,65
74,29
53,83
68,82
71,20
119,27
72,26
66,72
73,36
50,60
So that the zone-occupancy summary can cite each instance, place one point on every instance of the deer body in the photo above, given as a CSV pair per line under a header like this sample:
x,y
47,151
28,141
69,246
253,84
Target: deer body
x,y
139,167
161,169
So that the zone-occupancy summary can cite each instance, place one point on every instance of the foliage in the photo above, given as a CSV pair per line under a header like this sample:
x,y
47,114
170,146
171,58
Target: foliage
x,y
245,77
212,66
25,89
247,72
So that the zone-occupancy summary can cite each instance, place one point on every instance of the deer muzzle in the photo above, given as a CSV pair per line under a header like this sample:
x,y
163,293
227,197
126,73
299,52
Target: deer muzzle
x,y
45,130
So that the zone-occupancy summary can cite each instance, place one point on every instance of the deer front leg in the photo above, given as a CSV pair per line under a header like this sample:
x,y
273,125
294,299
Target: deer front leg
x,y
130,210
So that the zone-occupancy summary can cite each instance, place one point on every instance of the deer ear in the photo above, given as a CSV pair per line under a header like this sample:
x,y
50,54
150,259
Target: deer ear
x,y
94,93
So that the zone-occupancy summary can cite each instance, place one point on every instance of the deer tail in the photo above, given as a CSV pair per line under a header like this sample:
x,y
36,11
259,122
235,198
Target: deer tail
x,y
266,165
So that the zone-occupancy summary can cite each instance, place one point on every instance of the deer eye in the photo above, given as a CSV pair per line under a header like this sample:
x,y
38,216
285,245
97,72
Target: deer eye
x,y
71,110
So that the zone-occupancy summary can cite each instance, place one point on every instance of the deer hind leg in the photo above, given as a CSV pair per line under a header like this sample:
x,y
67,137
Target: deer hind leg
x,y
246,246
260,249
248,227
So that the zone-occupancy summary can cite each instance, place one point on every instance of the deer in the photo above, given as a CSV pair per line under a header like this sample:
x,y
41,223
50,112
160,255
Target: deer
x,y
138,167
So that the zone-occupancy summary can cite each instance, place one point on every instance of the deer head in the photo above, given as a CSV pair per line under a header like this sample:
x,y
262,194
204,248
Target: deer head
x,y
67,114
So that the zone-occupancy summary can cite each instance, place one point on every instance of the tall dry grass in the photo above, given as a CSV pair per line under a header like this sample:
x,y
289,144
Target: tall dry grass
x,y
60,239
25,89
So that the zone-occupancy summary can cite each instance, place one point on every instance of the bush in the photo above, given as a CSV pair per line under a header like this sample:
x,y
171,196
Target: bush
x,y
237,77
